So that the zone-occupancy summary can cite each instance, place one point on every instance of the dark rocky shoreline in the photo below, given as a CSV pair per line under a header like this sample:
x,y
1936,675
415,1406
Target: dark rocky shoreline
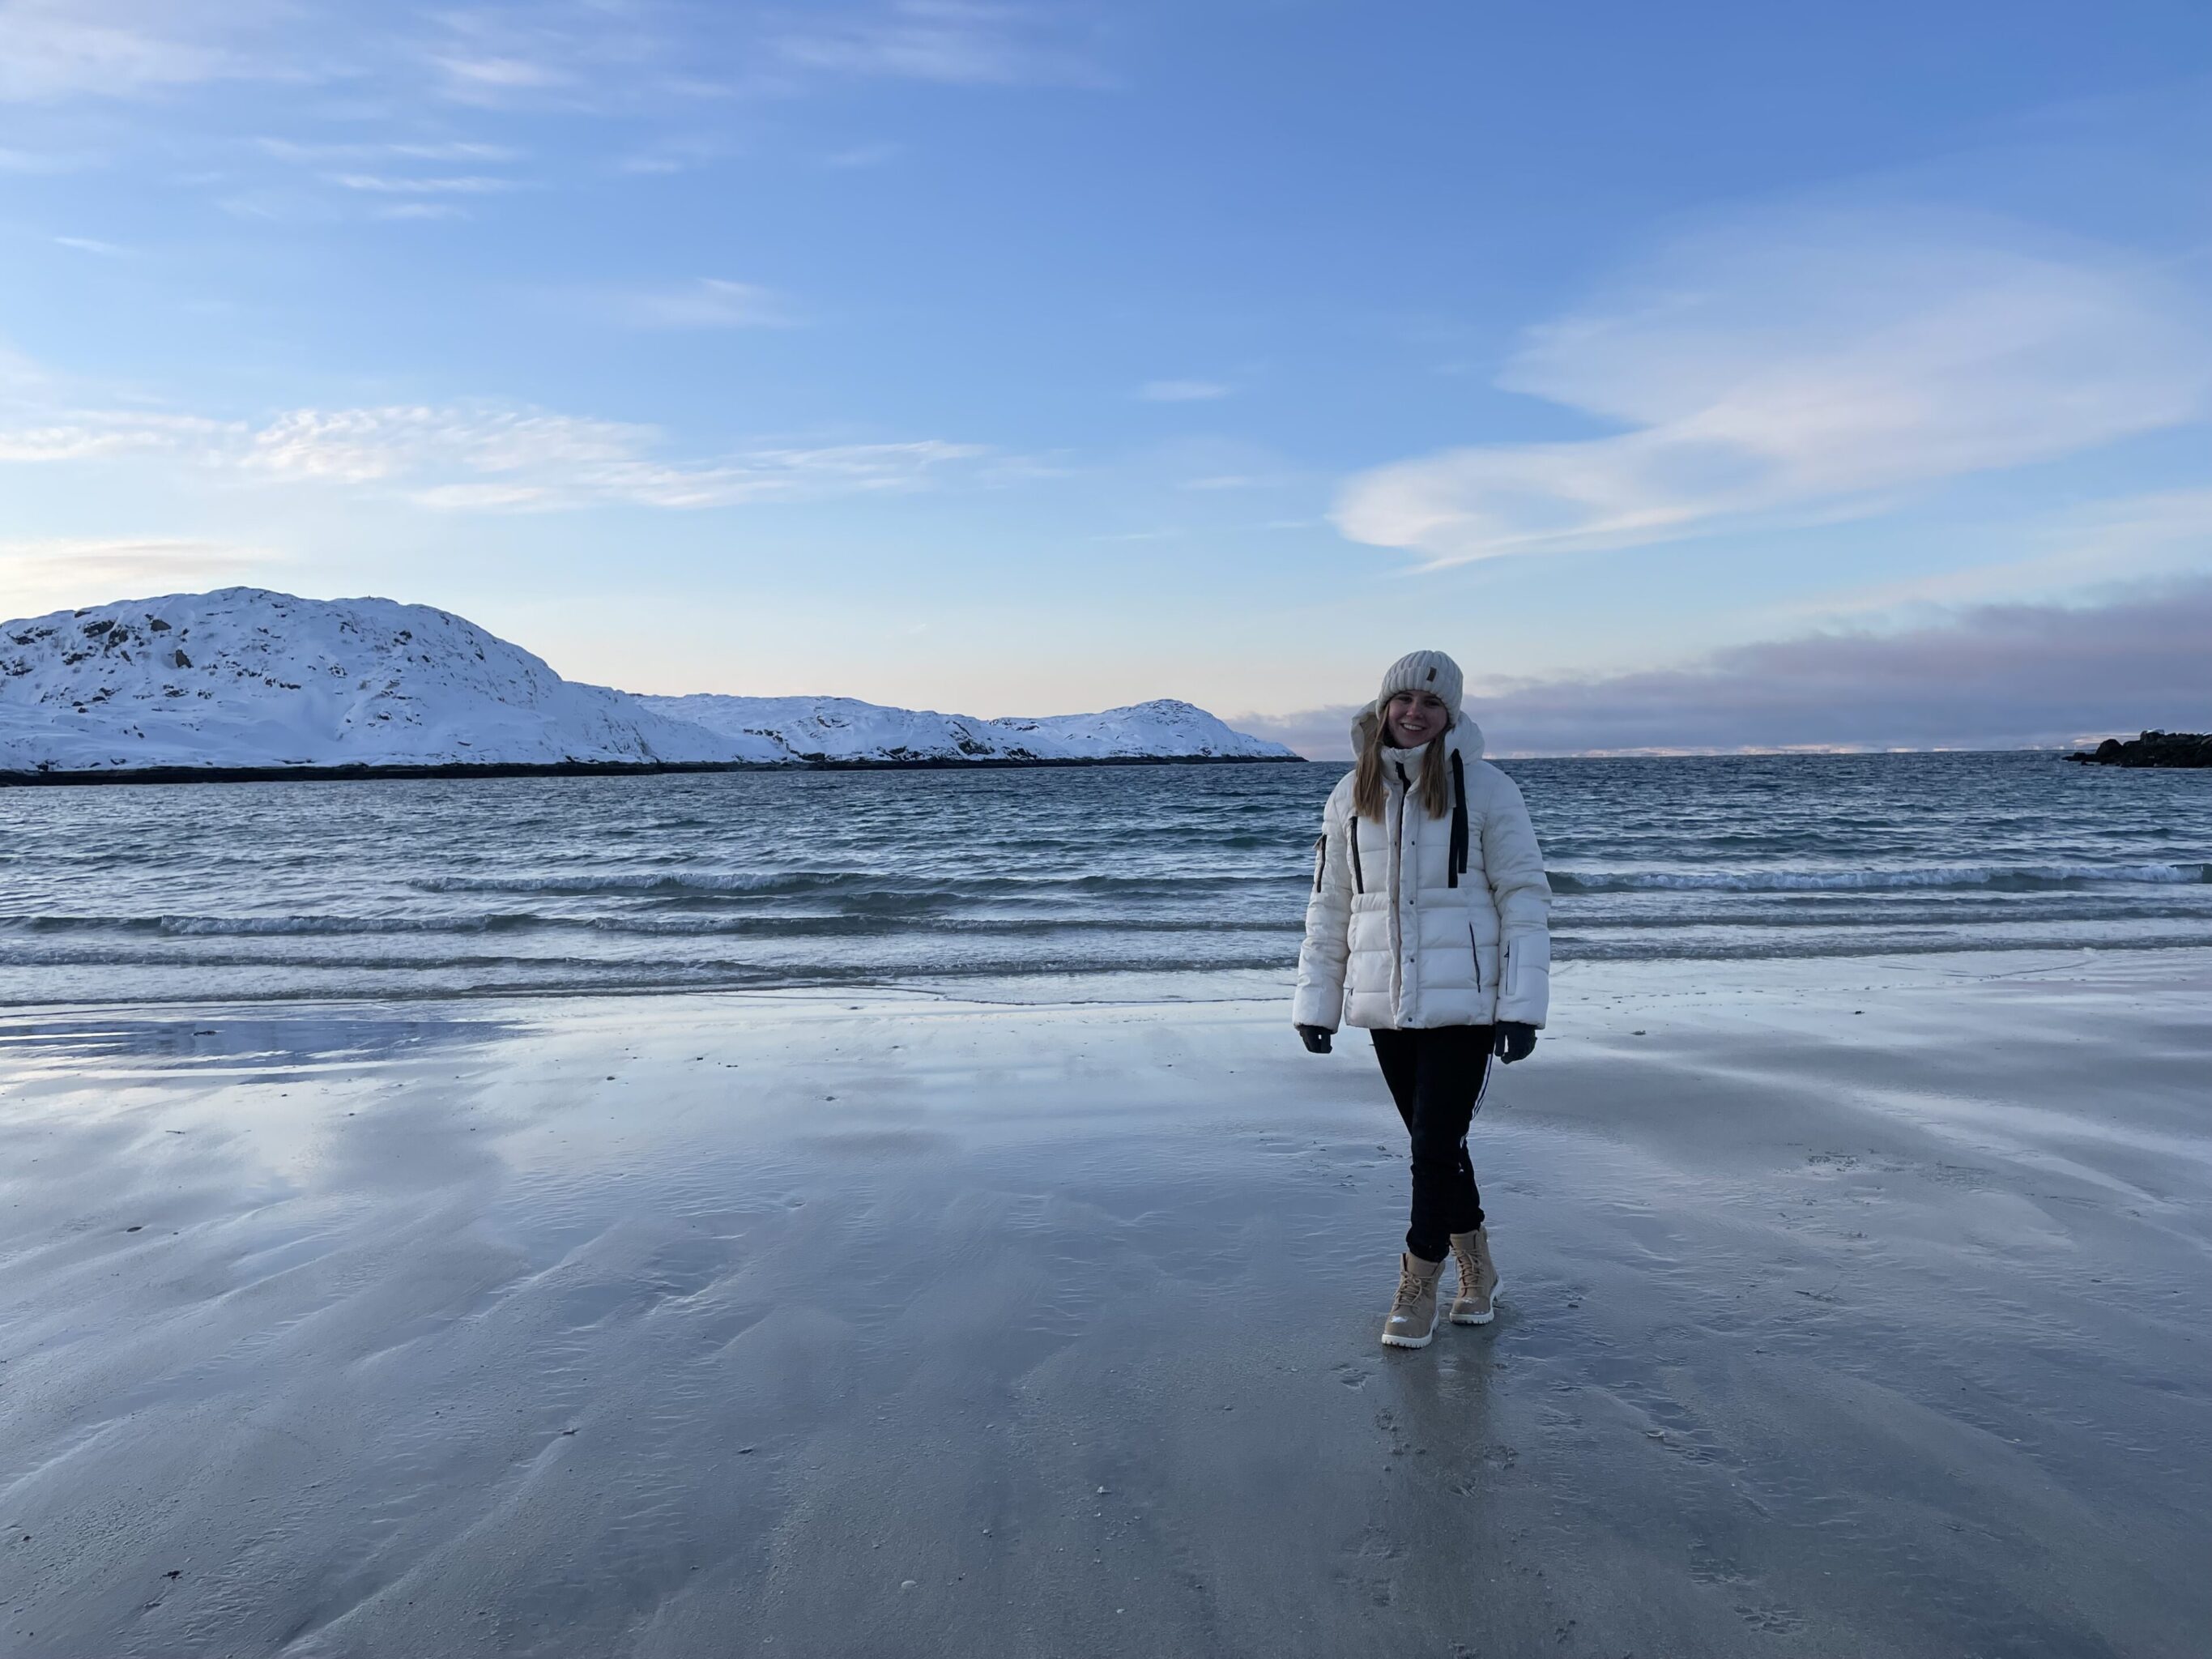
x,y
595,769
2159,749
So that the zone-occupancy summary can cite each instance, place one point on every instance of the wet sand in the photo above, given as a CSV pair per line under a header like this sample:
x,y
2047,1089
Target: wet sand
x,y
1850,1307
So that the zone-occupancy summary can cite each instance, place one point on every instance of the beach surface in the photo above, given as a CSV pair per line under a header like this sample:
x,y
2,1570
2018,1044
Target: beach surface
x,y
1850,1307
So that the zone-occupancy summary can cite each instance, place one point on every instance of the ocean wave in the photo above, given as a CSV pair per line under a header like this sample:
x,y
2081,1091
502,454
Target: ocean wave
x,y
2031,877
1569,948
612,882
188,927
400,890
487,971
647,925
346,980
851,883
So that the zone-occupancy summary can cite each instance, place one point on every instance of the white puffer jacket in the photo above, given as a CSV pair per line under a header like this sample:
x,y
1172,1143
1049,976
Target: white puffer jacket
x,y
1395,937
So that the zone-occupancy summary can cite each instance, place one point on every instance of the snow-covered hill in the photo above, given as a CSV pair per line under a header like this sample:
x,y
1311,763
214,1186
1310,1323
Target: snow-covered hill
x,y
843,729
243,677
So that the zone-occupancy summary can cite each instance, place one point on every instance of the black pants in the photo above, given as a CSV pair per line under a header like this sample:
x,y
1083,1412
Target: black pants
x,y
1435,1076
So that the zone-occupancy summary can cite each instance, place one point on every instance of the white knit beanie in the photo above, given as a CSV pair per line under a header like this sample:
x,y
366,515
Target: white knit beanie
x,y
1425,671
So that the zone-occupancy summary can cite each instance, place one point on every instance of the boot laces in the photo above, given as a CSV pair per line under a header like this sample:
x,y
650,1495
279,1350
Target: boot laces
x,y
1409,1287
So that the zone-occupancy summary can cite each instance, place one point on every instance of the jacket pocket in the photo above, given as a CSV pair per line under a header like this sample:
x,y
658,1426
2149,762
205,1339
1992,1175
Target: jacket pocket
x,y
1486,970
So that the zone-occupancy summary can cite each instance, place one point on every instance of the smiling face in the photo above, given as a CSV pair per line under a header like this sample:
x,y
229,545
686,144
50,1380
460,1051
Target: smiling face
x,y
1410,718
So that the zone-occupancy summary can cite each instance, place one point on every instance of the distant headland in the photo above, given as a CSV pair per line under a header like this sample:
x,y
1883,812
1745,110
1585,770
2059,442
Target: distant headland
x,y
245,685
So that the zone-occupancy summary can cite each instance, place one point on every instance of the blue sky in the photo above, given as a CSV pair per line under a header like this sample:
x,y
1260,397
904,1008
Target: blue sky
x,y
1021,358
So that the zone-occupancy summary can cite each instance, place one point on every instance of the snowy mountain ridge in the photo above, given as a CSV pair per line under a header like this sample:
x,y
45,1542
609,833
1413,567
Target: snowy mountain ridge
x,y
244,679
821,730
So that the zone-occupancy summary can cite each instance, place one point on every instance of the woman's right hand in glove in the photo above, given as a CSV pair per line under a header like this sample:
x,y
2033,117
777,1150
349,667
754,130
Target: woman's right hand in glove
x,y
1316,1040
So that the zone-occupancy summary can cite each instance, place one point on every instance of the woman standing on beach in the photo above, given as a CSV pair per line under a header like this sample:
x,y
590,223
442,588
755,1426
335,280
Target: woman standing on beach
x,y
1428,928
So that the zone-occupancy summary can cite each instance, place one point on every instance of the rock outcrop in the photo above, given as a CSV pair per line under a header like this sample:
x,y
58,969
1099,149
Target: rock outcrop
x,y
2162,749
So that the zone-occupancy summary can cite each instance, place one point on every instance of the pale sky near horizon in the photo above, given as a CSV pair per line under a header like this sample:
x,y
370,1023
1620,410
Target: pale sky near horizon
x,y
1019,358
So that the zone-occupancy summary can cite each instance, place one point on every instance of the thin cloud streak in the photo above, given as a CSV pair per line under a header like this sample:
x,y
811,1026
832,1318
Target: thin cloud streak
x,y
25,163
40,576
957,42
318,154
61,49
710,302
569,56
1995,677
1814,365
483,457
2157,534
1183,392
457,184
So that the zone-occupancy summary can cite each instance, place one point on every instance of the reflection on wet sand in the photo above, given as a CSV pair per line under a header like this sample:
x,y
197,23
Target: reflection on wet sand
x,y
693,1325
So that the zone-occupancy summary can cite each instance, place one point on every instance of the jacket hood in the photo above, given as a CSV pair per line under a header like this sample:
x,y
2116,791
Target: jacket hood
x,y
1463,734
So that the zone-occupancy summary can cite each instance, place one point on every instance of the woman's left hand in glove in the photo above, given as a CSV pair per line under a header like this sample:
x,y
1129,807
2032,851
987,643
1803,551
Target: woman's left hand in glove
x,y
1516,1040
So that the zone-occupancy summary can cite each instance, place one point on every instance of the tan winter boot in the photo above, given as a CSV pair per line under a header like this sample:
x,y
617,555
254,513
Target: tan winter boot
x,y
1413,1321
1478,1279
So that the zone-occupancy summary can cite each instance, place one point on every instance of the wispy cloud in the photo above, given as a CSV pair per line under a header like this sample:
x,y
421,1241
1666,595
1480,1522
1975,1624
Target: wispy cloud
x,y
1992,677
664,80
92,245
492,457
1183,392
504,74
2128,538
51,50
350,168
279,206
709,302
467,184
34,163
1808,365
675,153
863,156
98,434
1164,533
956,41
572,56
452,150
36,575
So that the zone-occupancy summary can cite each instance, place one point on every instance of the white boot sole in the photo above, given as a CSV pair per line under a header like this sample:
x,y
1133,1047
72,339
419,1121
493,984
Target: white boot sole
x,y
1459,1318
1421,1342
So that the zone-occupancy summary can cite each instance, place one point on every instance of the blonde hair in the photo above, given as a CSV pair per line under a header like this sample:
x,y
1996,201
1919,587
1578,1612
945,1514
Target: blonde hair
x,y
1367,775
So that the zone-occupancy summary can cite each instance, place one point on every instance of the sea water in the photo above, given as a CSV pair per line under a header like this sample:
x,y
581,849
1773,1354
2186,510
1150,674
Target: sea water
x,y
443,887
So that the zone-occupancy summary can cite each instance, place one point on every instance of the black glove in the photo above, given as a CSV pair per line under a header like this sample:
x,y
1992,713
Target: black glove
x,y
1515,1040
1316,1040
